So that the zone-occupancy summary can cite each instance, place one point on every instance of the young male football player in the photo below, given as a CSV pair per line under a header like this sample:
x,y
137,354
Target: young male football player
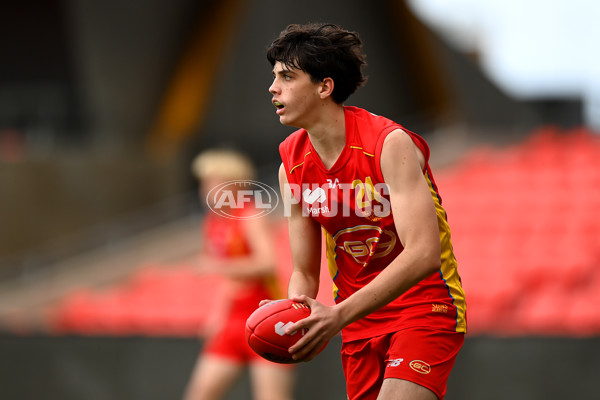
x,y
364,182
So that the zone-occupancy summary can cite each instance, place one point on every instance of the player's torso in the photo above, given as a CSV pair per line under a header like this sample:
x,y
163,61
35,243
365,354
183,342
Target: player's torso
x,y
353,207
227,238
224,237
352,204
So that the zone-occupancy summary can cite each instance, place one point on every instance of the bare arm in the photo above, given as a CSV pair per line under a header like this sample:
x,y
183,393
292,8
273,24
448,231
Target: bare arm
x,y
261,260
305,243
401,164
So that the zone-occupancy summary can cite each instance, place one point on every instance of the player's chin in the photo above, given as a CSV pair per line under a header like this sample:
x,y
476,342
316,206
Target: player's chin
x,y
284,121
287,121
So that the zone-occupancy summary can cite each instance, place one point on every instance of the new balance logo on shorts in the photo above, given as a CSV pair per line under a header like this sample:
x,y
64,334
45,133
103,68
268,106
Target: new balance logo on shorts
x,y
395,362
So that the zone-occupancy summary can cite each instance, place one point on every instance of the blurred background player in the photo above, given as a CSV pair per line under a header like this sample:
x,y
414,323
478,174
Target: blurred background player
x,y
241,252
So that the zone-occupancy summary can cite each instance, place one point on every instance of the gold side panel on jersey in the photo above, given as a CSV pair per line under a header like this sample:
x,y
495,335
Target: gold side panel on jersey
x,y
331,262
449,264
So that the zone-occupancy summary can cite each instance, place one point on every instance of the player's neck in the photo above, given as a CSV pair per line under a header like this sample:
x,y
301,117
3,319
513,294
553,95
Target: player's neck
x,y
328,135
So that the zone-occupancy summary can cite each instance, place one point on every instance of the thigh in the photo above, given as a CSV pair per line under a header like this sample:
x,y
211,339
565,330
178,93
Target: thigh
x,y
212,377
272,381
230,340
393,388
227,343
364,366
422,357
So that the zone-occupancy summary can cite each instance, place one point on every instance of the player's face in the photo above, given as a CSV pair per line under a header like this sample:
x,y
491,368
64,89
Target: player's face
x,y
295,96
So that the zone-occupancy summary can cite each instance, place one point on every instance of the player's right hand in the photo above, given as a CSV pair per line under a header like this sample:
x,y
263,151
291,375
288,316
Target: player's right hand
x,y
323,323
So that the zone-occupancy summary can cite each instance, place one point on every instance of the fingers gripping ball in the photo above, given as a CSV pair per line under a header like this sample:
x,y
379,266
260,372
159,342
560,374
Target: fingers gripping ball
x,y
265,329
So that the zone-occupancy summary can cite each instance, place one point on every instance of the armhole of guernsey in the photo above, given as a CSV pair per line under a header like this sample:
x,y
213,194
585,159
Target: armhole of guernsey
x,y
417,140
379,147
285,160
284,152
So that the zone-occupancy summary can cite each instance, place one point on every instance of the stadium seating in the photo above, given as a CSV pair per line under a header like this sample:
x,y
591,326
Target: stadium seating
x,y
526,231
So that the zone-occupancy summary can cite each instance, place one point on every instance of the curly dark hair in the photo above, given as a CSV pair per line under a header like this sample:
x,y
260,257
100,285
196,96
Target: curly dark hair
x,y
322,51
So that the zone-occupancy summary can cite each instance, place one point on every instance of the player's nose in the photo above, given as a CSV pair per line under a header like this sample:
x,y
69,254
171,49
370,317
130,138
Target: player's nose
x,y
273,89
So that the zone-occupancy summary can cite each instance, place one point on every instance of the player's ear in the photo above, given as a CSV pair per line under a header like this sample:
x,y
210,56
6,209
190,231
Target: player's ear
x,y
326,88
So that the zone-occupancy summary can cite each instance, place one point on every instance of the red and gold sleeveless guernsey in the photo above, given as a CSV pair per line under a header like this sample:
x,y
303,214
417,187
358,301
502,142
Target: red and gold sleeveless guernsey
x,y
226,238
351,203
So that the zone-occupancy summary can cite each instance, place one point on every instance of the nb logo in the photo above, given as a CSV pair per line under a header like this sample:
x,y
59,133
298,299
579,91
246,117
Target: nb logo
x,y
280,327
314,196
395,362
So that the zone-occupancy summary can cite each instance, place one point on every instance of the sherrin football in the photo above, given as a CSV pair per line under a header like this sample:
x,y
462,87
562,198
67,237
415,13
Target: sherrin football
x,y
265,329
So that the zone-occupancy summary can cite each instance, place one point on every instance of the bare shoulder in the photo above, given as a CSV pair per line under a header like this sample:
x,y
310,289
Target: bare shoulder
x,y
283,181
282,172
398,147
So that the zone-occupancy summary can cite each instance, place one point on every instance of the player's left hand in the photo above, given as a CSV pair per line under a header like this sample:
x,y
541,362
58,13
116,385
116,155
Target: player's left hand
x,y
323,323
264,301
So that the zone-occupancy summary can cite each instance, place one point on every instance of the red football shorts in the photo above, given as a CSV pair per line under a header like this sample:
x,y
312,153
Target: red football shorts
x,y
421,356
230,340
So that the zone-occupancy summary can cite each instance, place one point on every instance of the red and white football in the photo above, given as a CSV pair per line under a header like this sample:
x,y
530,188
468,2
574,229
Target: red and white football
x,y
265,329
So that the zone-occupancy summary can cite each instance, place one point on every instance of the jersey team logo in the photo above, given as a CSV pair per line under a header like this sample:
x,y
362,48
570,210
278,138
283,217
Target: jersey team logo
x,y
367,242
420,366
